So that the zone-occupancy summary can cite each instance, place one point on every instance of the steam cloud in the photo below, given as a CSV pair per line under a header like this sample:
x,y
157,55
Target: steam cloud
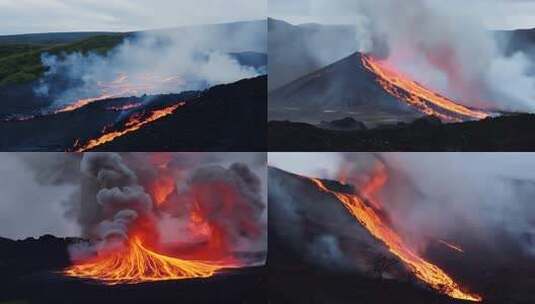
x,y
152,62
445,49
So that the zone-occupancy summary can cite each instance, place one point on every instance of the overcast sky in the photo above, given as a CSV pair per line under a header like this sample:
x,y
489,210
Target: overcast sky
x,y
36,16
28,208
495,14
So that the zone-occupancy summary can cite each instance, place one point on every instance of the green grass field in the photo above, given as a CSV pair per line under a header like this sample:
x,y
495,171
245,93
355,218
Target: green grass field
x,y
21,62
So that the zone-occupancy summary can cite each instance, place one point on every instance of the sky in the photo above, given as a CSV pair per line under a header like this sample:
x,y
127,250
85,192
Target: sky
x,y
495,14
23,198
38,16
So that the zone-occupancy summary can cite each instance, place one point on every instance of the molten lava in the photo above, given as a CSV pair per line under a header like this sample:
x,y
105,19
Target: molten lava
x,y
376,223
84,102
416,95
162,188
138,264
134,123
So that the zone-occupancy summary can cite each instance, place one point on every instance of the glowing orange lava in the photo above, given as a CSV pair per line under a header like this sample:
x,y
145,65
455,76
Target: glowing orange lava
x,y
423,99
134,123
83,102
162,188
376,224
137,264
122,87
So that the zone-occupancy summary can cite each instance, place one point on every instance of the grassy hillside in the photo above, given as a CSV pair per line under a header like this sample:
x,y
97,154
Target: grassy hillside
x,y
21,62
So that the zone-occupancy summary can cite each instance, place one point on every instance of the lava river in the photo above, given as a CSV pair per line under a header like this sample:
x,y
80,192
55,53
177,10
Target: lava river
x,y
416,95
137,264
134,123
366,212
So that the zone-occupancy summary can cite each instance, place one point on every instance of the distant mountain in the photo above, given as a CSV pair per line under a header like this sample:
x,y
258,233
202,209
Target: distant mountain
x,y
51,38
295,51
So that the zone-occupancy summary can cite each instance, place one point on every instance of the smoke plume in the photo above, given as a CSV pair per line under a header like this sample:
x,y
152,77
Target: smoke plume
x,y
210,206
153,62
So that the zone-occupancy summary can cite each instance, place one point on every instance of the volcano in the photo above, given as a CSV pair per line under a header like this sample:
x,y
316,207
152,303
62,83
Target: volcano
x,y
306,212
369,89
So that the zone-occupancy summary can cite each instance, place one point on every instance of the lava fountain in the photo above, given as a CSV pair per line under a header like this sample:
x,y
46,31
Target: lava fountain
x,y
377,223
137,264
149,230
418,96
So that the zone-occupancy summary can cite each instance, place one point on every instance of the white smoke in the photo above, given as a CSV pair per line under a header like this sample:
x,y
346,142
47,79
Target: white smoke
x,y
153,62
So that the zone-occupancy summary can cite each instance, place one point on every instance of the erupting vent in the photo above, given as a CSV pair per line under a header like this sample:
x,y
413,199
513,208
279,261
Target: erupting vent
x,y
418,96
375,222
137,264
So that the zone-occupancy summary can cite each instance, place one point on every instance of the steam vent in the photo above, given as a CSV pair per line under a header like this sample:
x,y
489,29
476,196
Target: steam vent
x,y
267,152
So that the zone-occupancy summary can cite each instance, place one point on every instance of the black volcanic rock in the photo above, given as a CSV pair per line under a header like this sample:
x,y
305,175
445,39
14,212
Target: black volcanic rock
x,y
32,255
505,133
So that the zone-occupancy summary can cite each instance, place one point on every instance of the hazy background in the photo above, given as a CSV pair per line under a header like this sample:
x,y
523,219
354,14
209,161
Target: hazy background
x,y
484,196
37,16
496,14
41,191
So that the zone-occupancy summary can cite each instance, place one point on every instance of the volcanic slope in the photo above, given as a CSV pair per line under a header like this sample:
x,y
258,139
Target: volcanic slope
x,y
344,88
231,116
301,272
224,118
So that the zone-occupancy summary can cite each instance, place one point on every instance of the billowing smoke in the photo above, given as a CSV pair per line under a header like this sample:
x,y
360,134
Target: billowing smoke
x,y
152,62
209,206
481,197
438,45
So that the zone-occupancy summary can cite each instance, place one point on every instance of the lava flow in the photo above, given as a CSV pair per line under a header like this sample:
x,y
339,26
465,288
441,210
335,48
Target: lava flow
x,y
377,224
134,123
137,264
423,99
